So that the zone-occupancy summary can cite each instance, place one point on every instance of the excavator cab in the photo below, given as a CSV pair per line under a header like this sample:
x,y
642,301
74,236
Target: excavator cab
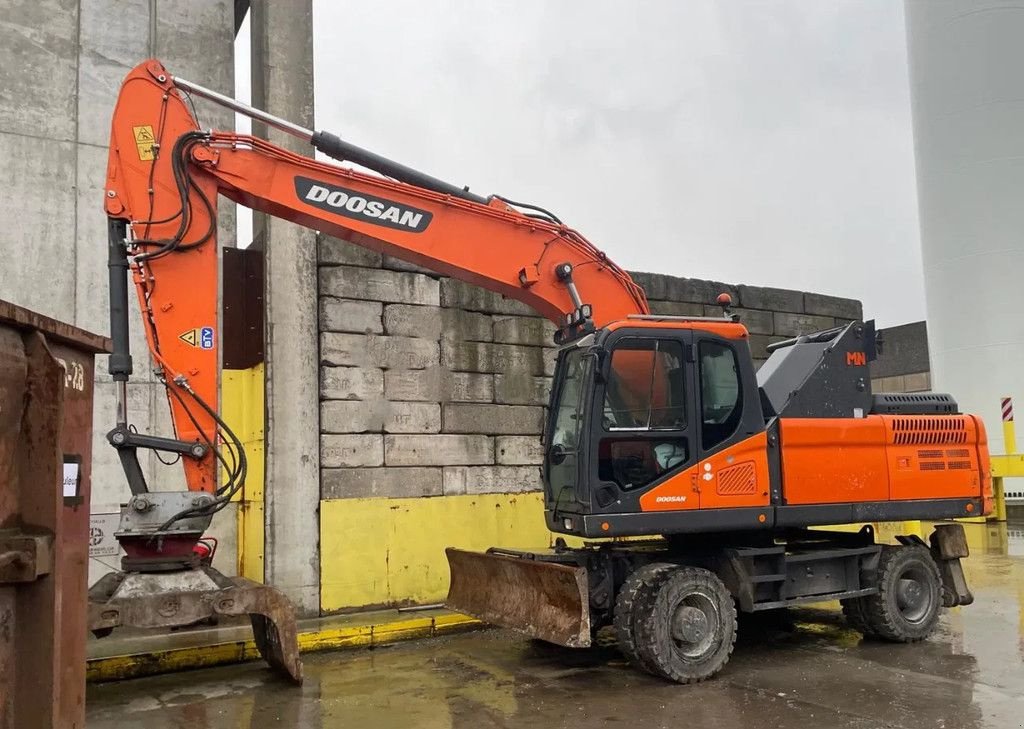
x,y
654,422
634,412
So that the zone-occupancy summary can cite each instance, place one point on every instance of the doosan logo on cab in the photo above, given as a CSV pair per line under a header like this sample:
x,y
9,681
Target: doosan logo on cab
x,y
375,209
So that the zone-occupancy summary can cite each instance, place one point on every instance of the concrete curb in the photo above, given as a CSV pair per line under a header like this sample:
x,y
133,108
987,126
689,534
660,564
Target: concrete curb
x,y
353,635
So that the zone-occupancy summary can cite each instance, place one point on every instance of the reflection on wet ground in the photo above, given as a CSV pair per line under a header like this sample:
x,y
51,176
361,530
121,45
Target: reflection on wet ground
x,y
798,668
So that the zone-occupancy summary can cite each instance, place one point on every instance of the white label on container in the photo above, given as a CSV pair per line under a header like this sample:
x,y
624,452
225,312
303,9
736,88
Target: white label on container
x,y
71,479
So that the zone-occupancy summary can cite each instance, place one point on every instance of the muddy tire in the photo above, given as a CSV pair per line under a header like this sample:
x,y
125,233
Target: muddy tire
x,y
637,582
906,607
685,625
855,611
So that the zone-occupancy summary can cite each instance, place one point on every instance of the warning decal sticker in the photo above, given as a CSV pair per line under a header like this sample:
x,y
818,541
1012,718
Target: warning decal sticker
x,y
201,337
144,140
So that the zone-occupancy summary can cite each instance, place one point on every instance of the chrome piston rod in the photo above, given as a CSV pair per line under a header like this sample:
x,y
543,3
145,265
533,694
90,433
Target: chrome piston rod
x,y
333,146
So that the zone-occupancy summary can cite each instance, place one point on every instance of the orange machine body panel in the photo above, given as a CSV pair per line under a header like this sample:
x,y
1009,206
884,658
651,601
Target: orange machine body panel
x,y
882,458
936,457
733,477
833,460
737,475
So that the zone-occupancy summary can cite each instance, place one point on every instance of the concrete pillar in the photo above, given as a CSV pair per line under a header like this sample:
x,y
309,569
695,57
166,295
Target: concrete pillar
x,y
282,83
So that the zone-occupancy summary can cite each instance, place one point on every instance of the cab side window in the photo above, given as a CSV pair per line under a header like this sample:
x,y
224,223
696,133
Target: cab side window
x,y
720,393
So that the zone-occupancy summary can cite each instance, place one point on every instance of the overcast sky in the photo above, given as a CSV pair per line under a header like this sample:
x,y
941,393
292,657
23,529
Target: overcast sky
x,y
749,142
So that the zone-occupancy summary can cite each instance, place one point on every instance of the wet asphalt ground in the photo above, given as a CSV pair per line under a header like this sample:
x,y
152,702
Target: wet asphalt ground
x,y
794,669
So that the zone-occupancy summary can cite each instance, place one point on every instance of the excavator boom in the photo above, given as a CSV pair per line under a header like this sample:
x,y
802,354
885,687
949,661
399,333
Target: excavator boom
x,y
164,177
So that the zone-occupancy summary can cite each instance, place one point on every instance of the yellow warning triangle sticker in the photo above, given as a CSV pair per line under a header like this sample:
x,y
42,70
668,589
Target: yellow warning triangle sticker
x,y
143,134
190,337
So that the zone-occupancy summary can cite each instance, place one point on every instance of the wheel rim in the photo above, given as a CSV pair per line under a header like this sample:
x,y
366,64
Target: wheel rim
x,y
914,597
694,625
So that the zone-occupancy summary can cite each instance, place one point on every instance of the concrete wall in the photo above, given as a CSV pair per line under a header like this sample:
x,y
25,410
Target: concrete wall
x,y
432,401
902,365
61,64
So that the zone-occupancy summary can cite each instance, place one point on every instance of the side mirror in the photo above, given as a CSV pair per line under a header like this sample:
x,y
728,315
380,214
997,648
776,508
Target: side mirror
x,y
557,454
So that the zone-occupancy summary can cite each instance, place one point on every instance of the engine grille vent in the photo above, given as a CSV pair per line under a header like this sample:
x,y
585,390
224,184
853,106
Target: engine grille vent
x,y
928,430
902,403
939,459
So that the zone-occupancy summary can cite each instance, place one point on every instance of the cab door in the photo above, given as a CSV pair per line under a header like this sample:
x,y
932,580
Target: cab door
x,y
733,445
644,436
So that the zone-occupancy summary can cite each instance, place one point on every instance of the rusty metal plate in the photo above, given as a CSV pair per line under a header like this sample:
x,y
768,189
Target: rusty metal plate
x,y
185,597
544,600
55,330
24,557
951,541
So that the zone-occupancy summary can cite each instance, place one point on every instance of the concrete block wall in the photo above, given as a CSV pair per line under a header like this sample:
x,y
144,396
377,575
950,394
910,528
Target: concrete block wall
x,y
432,387
61,66
429,387
911,382
902,364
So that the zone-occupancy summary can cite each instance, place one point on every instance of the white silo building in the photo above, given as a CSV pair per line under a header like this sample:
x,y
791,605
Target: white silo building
x,y
967,92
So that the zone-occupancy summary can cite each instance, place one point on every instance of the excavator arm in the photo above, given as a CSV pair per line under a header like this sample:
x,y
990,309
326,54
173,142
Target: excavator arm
x,y
163,180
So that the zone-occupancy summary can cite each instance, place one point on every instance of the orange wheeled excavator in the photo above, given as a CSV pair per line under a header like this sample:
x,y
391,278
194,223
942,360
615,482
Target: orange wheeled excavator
x,y
658,428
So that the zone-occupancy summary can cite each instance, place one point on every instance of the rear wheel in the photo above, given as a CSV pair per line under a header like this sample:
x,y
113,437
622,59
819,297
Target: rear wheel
x,y
906,607
638,582
684,626
856,616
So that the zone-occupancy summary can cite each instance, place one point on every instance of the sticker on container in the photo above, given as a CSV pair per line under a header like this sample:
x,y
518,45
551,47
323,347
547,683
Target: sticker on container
x,y
72,482
101,535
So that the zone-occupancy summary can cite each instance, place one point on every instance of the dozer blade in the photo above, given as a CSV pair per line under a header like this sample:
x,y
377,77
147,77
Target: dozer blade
x,y
542,599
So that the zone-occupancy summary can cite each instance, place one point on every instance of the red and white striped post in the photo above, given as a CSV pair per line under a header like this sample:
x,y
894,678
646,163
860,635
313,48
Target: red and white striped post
x,y
1009,432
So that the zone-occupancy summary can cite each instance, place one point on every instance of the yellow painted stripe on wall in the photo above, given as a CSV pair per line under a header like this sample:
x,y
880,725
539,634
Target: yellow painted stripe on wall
x,y
391,629
243,407
391,551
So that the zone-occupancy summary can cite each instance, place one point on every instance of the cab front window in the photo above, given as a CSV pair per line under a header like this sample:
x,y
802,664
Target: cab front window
x,y
565,423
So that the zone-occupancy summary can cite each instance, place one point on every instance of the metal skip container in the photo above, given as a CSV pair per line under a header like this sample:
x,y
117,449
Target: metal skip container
x,y
46,400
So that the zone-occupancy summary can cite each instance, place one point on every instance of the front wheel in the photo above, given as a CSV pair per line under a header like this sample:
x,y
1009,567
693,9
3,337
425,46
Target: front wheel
x,y
685,625
639,582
